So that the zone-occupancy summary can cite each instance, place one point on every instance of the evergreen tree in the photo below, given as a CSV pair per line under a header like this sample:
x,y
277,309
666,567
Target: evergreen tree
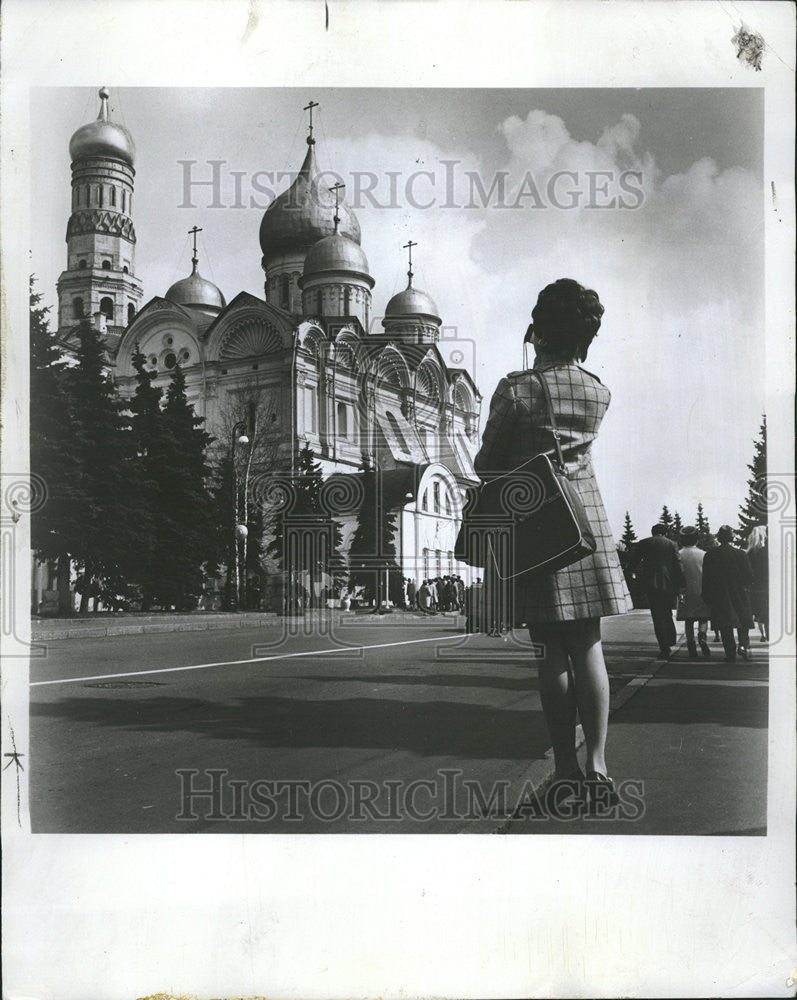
x,y
307,504
373,546
703,527
185,532
146,491
665,518
629,535
54,525
754,509
100,514
677,527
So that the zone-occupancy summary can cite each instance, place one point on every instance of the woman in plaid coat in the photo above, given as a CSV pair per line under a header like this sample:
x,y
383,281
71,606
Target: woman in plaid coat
x,y
563,609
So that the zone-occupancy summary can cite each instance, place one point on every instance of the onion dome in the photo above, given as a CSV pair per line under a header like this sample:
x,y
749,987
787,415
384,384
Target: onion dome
x,y
196,292
412,303
336,253
299,217
103,138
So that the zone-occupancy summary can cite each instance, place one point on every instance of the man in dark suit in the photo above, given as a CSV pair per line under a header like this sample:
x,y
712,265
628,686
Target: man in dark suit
x,y
655,563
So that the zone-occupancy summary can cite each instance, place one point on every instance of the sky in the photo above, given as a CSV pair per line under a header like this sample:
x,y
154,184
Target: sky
x,y
653,197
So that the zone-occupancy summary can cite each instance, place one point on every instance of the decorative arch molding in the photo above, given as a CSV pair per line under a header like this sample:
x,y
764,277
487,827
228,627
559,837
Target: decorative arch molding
x,y
430,381
462,397
392,369
249,338
240,314
348,351
153,325
438,472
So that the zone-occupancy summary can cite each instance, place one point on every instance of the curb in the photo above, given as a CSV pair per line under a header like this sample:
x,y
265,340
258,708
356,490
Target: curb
x,y
41,632
540,773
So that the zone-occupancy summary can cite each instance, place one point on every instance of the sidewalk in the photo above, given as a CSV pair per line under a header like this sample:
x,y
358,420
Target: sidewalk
x,y
692,736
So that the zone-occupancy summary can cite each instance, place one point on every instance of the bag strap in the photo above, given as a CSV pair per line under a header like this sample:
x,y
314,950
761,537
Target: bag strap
x,y
549,406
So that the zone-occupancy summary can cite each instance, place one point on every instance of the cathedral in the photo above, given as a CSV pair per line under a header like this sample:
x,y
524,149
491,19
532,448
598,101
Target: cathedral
x,y
305,365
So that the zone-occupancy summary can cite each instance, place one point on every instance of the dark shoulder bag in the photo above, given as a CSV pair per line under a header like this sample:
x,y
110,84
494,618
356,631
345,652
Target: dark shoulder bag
x,y
531,519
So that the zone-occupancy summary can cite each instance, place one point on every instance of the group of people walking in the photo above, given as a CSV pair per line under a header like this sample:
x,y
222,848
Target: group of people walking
x,y
441,593
724,585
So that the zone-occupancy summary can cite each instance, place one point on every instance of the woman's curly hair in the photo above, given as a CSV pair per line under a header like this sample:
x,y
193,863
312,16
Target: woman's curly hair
x,y
567,318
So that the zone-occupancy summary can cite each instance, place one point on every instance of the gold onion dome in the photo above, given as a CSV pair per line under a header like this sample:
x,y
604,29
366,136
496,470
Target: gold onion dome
x,y
300,216
196,292
103,138
412,302
336,253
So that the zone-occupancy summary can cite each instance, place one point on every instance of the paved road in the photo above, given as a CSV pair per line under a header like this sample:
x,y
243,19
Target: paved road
x,y
388,728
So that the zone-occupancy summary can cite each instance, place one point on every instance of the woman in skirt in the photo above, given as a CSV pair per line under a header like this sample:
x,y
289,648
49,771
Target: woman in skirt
x,y
563,609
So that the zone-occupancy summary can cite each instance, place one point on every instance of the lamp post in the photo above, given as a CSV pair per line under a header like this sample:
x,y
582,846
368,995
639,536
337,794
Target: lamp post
x,y
239,531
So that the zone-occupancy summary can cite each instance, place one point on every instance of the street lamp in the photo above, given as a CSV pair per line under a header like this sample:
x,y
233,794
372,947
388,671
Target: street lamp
x,y
240,531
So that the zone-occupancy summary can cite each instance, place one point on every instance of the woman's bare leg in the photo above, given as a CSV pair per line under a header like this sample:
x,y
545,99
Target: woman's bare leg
x,y
583,642
558,698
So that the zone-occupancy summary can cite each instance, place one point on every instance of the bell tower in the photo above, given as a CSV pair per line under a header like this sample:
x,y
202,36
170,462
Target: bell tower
x,y
101,241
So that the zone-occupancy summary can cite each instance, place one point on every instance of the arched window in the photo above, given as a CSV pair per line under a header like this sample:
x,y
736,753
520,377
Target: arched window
x,y
101,193
285,291
425,502
106,265
125,268
124,200
81,264
131,312
436,494
346,302
343,420
448,503
77,308
113,196
106,306
394,426
319,302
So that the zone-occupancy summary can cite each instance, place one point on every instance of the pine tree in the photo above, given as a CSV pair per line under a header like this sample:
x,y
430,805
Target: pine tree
x,y
185,526
99,511
703,527
373,546
754,509
677,527
146,493
629,535
53,526
665,518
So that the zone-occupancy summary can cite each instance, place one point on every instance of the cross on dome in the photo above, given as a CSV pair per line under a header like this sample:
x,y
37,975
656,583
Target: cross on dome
x,y
408,246
309,107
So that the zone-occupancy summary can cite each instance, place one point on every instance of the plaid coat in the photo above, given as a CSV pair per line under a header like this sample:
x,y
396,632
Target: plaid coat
x,y
518,428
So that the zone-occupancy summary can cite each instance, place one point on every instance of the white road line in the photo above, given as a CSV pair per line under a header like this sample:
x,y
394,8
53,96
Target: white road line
x,y
260,659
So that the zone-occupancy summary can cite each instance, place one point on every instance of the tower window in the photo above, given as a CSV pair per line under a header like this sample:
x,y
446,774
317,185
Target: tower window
x,y
106,265
285,291
343,420
101,195
86,196
346,302
113,196
170,360
319,301
425,501
131,312
77,308
81,265
124,200
106,307
436,494
125,268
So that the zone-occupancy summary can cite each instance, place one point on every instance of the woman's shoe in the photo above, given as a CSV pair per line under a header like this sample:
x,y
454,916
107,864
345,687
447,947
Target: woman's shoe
x,y
601,793
562,793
